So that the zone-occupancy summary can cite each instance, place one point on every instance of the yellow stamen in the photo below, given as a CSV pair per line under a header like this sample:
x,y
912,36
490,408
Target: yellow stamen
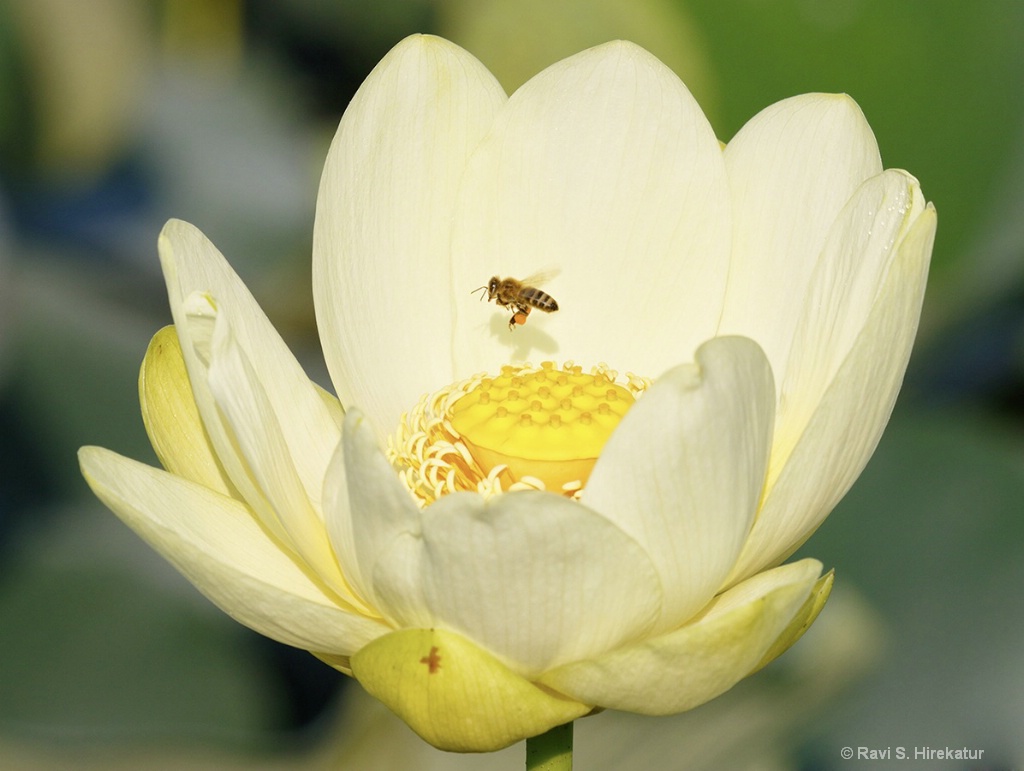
x,y
545,425
527,428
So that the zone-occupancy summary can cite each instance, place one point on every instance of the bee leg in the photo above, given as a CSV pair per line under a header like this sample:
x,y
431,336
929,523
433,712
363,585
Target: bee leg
x,y
519,315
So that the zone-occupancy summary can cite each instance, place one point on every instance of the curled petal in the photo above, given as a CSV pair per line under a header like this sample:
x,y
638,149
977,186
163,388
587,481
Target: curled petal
x,y
800,622
251,423
845,428
192,265
862,245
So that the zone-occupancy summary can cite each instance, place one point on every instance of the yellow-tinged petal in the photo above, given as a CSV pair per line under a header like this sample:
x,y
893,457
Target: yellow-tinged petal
x,y
172,419
601,166
688,666
456,695
802,621
844,431
791,169
383,224
192,264
683,472
215,542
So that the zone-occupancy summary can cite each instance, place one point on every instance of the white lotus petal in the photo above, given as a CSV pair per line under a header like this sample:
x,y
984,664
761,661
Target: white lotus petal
x,y
851,270
791,168
788,258
195,332
843,432
216,544
602,165
382,236
258,436
683,472
367,506
192,264
686,667
519,575
534,578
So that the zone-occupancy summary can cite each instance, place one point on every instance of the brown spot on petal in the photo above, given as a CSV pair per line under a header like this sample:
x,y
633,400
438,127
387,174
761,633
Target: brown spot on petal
x,y
432,660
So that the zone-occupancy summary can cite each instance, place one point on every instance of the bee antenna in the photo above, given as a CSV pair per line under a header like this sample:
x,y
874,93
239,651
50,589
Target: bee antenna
x,y
484,287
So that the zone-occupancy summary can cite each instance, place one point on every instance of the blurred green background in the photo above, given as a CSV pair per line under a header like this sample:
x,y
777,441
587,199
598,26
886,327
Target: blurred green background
x,y
118,114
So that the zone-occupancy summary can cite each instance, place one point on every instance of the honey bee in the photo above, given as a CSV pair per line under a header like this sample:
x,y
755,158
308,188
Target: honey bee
x,y
520,297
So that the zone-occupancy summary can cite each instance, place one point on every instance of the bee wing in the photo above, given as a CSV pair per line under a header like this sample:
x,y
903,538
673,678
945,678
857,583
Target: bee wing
x,y
540,278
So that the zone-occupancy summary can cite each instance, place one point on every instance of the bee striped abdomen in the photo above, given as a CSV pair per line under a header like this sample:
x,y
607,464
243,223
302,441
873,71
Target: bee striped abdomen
x,y
538,299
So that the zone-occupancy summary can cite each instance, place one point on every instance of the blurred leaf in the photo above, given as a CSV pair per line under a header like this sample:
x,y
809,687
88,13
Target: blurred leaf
x,y
96,646
939,506
933,535
16,124
75,355
233,153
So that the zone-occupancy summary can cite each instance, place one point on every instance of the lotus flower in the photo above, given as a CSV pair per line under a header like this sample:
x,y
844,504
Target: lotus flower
x,y
493,547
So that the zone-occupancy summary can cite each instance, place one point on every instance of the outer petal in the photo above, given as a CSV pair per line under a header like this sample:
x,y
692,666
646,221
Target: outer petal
x,y
172,418
382,236
800,622
217,545
792,168
535,579
683,472
845,428
602,165
192,264
858,255
691,665
455,695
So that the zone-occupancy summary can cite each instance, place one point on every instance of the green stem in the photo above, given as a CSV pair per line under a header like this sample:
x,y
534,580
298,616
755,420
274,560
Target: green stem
x,y
551,751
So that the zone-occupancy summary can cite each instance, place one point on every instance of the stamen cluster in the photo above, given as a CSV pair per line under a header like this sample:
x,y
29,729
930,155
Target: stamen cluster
x,y
535,428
